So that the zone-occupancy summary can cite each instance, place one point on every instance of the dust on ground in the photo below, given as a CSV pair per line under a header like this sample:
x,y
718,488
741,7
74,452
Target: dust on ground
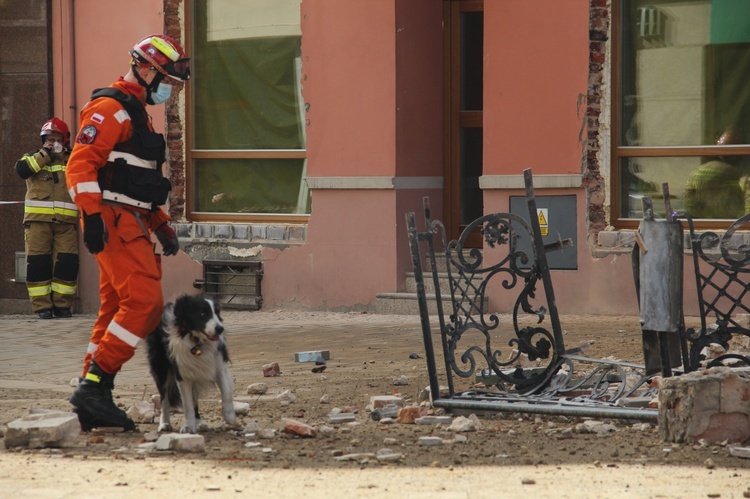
x,y
368,352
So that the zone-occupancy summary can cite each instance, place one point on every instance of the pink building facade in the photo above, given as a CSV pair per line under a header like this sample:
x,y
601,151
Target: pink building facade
x,y
382,131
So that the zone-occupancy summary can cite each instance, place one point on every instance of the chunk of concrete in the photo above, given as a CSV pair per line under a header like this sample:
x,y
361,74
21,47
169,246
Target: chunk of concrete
x,y
181,442
48,429
142,412
378,401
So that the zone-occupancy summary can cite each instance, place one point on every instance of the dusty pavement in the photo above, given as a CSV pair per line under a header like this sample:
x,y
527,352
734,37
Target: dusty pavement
x,y
512,455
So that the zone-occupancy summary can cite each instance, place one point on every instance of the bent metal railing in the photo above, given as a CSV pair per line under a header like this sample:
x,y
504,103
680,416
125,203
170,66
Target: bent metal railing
x,y
518,361
722,273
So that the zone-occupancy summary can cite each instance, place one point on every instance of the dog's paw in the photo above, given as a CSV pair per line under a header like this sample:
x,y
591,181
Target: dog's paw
x,y
165,427
233,426
230,418
188,429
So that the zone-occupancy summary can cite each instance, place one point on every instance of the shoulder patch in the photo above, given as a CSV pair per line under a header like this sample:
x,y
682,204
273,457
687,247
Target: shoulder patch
x,y
87,135
97,118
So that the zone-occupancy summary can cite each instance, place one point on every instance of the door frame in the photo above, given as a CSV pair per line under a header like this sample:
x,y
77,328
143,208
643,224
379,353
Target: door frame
x,y
454,118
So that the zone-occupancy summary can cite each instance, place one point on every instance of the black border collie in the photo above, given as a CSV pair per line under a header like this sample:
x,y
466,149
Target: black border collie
x,y
187,354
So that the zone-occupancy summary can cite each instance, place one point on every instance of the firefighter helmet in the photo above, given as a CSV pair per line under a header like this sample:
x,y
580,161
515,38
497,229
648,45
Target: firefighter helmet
x,y
164,54
56,125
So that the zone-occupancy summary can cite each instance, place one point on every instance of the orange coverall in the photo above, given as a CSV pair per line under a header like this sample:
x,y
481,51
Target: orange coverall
x,y
129,269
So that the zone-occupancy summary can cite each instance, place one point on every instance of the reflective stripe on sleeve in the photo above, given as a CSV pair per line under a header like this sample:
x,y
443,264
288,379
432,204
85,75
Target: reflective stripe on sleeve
x,y
93,347
31,160
122,115
84,187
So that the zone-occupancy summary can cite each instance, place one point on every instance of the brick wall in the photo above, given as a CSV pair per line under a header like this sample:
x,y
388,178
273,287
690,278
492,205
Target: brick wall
x,y
599,21
175,127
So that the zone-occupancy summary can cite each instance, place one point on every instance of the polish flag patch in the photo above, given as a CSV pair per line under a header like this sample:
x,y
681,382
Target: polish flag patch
x,y
97,118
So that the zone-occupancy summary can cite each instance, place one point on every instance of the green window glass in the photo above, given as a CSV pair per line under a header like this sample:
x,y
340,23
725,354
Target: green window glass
x,y
247,144
683,106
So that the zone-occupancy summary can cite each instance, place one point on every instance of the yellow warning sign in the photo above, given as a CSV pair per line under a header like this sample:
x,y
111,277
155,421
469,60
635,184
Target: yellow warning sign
x,y
543,216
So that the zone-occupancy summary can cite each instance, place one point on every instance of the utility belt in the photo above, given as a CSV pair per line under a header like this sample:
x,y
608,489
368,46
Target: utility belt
x,y
139,216
133,181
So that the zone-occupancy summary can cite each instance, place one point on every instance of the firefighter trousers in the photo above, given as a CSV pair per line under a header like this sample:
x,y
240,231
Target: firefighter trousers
x,y
51,264
129,288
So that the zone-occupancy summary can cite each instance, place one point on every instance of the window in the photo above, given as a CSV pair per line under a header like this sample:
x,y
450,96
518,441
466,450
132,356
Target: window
x,y
246,135
681,110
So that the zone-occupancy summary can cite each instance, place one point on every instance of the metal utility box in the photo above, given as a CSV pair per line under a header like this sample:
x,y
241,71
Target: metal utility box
x,y
557,221
20,274
233,284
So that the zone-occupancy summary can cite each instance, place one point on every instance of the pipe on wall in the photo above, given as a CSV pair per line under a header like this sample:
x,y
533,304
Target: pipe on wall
x,y
73,103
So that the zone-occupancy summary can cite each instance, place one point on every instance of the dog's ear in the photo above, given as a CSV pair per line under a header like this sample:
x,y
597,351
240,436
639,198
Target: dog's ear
x,y
180,308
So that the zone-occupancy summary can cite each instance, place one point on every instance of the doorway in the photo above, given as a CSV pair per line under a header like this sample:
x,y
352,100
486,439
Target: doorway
x,y
463,48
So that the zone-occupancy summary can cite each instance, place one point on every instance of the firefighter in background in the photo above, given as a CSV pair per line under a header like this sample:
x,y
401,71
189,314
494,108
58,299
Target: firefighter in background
x,y
717,188
49,221
115,177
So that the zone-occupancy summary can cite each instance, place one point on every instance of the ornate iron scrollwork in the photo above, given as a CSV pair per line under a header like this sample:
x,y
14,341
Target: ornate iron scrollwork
x,y
518,358
722,281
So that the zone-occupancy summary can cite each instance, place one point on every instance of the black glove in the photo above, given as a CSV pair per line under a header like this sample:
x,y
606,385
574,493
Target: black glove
x,y
94,233
168,239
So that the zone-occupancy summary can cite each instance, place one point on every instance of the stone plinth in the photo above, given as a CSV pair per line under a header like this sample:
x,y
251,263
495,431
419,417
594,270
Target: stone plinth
x,y
711,405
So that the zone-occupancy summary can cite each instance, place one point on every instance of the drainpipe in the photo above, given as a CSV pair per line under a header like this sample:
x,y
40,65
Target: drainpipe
x,y
73,104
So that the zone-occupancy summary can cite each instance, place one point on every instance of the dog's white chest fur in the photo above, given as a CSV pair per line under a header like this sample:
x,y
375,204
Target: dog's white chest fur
x,y
197,362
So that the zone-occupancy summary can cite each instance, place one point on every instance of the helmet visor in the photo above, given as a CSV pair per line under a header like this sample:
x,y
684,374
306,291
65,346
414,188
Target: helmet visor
x,y
179,69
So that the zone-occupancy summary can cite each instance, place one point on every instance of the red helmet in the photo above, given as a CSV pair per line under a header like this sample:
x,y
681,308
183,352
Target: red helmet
x,y
164,54
56,125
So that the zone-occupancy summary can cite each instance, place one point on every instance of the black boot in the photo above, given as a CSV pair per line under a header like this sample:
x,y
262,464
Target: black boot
x,y
94,404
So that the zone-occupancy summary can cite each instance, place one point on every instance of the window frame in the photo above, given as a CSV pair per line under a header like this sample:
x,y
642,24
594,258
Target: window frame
x,y
192,154
618,151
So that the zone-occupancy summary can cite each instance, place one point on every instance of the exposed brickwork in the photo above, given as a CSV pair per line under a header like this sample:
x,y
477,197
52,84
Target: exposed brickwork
x,y
173,26
599,21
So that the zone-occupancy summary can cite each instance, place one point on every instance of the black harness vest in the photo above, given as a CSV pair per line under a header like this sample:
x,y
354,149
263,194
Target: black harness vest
x,y
138,182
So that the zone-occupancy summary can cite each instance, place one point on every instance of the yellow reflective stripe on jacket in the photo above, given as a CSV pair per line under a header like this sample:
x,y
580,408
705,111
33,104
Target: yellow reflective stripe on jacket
x,y
55,168
63,289
40,290
50,208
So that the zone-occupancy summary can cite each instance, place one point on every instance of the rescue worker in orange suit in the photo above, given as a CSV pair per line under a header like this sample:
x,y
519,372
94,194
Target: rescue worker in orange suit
x,y
115,177
50,219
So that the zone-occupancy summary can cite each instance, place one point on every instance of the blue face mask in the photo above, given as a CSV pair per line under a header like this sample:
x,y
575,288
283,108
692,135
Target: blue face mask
x,y
162,93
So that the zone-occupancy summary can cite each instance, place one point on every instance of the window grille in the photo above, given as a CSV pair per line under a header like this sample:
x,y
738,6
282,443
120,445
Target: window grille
x,y
233,284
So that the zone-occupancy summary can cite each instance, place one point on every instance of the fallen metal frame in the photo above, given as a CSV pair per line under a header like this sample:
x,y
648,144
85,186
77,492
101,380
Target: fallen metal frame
x,y
722,274
557,383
